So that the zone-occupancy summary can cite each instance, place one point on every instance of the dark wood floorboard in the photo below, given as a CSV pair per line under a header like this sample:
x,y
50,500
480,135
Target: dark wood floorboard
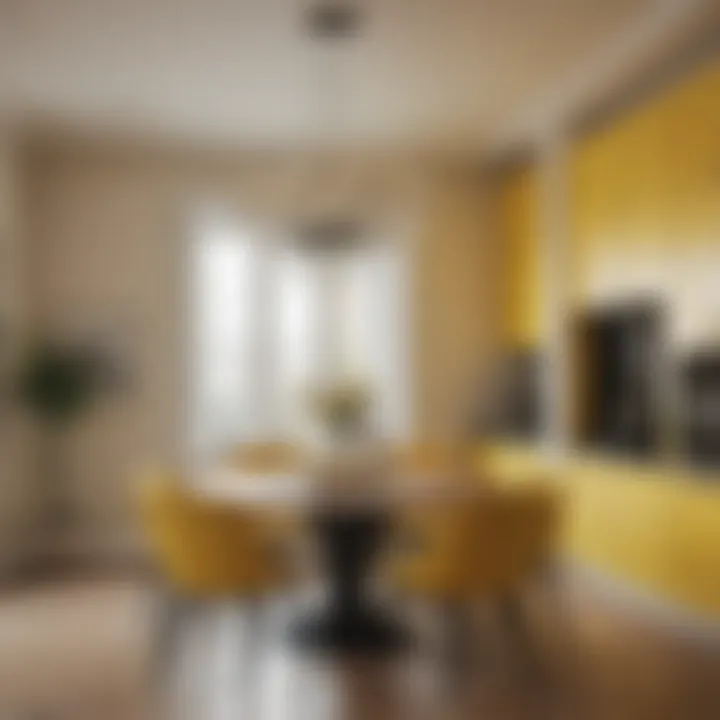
x,y
81,650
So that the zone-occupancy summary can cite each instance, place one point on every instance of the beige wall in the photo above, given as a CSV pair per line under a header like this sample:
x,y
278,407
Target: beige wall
x,y
107,228
457,309
16,480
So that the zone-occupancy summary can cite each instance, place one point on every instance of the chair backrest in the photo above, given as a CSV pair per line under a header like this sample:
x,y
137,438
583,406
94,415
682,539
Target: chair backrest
x,y
512,532
266,457
430,458
201,547
483,545
532,515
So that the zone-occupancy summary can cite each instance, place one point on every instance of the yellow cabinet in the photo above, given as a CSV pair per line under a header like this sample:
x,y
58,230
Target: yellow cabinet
x,y
649,180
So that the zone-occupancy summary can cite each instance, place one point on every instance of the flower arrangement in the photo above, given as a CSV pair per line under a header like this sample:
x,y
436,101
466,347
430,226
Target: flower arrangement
x,y
343,407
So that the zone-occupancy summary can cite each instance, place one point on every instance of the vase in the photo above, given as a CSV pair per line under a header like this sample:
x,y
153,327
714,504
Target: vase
x,y
349,466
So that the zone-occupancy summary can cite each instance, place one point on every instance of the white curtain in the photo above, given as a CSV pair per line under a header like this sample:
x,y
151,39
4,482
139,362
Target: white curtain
x,y
269,320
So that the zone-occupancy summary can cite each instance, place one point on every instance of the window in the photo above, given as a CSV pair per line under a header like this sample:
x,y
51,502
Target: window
x,y
269,320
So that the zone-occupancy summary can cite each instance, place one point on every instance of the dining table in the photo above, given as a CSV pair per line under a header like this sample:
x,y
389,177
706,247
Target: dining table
x,y
350,526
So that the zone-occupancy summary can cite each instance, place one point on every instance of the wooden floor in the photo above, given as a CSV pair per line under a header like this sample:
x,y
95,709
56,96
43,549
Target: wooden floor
x,y
80,650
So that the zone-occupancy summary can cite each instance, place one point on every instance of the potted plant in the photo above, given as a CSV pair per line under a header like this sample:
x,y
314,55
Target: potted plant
x,y
57,383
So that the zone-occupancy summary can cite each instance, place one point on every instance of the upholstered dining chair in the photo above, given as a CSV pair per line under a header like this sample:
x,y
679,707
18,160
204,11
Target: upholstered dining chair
x,y
458,553
532,517
448,551
430,458
532,530
205,552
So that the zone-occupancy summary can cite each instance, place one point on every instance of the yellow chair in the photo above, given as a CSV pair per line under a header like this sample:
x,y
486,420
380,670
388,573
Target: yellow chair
x,y
205,551
266,457
447,552
531,527
458,553
430,458
472,548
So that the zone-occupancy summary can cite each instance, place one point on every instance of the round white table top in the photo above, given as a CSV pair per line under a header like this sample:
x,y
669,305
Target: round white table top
x,y
299,490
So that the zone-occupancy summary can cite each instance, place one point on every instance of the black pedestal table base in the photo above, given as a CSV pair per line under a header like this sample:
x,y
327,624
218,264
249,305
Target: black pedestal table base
x,y
366,631
350,622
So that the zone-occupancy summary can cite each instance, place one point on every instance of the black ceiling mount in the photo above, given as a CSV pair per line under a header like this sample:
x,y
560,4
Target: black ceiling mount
x,y
331,234
333,20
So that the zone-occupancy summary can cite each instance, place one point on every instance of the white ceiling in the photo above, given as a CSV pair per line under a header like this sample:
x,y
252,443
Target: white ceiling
x,y
423,72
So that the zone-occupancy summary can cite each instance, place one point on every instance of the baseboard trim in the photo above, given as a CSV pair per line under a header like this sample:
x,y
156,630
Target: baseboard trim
x,y
68,567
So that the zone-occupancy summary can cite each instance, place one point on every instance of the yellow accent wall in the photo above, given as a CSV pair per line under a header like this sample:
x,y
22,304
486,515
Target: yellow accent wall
x,y
644,197
519,205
